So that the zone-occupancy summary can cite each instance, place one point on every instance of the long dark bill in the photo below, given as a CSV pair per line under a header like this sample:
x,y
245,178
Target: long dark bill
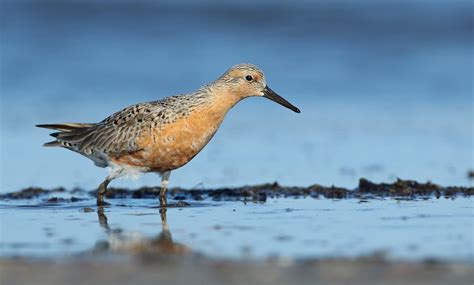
x,y
270,94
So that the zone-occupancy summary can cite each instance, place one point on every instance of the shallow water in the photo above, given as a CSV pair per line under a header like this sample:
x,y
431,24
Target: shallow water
x,y
285,228
385,89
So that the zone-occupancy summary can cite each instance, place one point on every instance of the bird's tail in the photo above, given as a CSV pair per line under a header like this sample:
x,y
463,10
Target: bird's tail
x,y
64,129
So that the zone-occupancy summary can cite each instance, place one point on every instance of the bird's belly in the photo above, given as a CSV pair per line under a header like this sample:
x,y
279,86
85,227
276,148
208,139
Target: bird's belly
x,y
175,147
172,145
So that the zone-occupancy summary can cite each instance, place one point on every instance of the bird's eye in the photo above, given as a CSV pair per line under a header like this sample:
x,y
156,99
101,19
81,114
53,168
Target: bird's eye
x,y
249,78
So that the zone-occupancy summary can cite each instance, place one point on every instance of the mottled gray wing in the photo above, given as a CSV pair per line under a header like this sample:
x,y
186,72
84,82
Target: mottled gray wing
x,y
119,132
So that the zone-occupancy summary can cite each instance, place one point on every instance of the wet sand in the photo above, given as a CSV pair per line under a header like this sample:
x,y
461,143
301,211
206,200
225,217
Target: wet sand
x,y
404,232
198,270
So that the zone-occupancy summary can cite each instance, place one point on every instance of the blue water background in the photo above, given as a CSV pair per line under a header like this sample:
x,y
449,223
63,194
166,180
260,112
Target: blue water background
x,y
385,87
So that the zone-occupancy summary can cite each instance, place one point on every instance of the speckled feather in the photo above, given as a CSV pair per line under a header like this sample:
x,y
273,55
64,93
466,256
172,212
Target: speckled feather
x,y
118,133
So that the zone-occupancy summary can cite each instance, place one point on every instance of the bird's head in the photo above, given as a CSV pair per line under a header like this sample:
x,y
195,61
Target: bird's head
x,y
247,80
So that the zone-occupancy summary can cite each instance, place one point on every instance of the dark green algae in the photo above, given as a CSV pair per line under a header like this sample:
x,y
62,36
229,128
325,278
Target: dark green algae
x,y
406,189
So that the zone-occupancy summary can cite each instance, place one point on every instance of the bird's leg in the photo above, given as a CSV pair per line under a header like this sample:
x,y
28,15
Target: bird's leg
x,y
163,217
101,192
103,219
164,238
164,186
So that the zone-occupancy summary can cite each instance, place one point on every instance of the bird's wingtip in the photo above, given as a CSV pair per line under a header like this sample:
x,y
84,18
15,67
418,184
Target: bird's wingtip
x,y
52,143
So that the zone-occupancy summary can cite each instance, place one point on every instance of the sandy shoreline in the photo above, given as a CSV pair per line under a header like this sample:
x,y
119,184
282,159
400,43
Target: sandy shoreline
x,y
145,269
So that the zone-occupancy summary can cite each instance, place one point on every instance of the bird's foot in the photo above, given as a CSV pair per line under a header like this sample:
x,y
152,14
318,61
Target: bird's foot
x,y
179,204
102,203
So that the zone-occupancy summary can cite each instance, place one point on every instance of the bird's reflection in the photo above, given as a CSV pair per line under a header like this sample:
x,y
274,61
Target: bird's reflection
x,y
121,241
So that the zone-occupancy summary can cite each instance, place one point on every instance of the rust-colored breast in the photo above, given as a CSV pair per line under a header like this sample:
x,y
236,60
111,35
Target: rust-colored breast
x,y
172,145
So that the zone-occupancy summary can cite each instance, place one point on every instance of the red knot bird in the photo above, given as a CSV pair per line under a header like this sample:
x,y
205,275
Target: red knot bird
x,y
162,135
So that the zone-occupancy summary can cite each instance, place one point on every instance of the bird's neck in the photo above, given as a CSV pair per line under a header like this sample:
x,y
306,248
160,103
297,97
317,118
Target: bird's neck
x,y
221,100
